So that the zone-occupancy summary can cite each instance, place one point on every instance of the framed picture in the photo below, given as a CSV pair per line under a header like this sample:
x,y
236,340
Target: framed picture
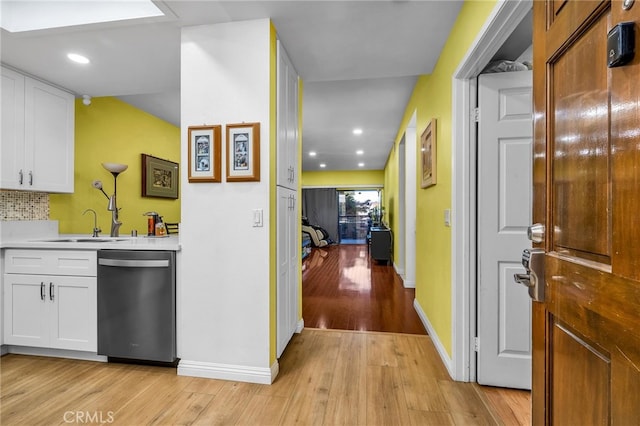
x,y
159,177
205,153
243,152
428,153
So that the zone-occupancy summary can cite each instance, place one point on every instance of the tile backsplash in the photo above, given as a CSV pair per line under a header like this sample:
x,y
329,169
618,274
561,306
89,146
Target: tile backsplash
x,y
24,205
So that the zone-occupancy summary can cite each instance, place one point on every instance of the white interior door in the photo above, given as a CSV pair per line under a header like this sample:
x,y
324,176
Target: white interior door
x,y
505,132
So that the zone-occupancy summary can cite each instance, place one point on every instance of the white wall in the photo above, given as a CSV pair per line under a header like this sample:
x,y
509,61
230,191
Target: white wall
x,y
411,184
223,293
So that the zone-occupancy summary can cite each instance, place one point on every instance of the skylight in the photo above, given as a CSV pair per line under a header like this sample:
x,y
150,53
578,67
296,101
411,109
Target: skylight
x,y
30,15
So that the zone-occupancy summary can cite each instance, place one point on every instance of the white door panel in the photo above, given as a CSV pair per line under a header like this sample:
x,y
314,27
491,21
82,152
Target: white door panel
x,y
505,133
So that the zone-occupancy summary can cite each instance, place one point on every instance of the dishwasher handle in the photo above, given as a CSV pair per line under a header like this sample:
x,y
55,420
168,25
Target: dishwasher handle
x,y
128,263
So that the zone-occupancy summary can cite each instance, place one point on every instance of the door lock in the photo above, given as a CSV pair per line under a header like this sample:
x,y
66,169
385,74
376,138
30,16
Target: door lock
x,y
533,262
535,233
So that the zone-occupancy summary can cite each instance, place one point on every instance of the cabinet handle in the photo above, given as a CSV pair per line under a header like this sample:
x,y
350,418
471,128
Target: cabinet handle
x,y
20,177
30,178
41,290
51,294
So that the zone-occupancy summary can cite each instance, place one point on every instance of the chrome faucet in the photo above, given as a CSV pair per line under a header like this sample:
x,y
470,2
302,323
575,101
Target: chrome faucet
x,y
115,224
96,230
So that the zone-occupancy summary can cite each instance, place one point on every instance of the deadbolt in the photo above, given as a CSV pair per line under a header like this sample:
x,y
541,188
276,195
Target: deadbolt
x,y
536,232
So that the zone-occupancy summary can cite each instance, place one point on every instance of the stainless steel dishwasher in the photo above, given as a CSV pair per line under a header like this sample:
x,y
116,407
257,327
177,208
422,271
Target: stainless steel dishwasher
x,y
137,305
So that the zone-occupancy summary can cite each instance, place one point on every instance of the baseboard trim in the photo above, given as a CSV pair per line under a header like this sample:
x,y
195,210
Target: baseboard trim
x,y
53,353
236,373
405,283
409,284
300,326
448,362
399,270
4,350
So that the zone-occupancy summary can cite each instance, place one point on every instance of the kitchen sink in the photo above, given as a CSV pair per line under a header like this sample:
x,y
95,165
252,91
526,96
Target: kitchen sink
x,y
83,240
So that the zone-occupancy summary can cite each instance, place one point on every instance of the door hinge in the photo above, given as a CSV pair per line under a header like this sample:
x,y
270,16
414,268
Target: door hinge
x,y
476,115
476,344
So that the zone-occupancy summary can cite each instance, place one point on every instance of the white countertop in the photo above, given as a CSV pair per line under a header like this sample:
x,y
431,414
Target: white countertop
x,y
86,242
44,235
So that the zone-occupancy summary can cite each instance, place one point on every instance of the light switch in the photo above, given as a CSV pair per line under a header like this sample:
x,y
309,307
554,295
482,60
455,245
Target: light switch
x,y
447,217
257,218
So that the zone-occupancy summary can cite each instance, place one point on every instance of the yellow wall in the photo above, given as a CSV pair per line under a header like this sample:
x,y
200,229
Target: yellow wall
x,y
431,98
273,202
344,179
110,130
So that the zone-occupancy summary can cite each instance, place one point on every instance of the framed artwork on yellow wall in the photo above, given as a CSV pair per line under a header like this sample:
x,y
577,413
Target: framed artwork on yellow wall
x,y
159,177
428,154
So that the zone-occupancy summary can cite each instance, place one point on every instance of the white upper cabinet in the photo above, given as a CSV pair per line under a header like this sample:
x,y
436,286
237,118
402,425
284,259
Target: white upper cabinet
x,y
37,135
287,112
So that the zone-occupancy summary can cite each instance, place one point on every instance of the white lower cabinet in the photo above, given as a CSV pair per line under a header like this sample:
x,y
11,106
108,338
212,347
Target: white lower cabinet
x,y
288,254
49,310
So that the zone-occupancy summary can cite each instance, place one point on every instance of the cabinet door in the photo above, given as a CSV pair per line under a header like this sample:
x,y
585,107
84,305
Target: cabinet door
x,y
49,138
293,253
287,121
73,314
25,310
287,254
292,125
12,131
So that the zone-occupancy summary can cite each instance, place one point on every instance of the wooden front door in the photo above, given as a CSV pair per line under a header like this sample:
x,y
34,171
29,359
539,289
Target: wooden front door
x,y
586,333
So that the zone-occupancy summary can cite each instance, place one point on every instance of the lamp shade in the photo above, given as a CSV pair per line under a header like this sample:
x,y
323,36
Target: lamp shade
x,y
115,167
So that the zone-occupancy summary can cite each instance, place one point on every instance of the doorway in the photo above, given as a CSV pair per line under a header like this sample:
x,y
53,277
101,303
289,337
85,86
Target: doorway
x,y
358,210
502,22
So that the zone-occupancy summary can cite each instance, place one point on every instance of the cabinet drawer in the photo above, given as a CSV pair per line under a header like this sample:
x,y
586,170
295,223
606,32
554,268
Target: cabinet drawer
x,y
51,262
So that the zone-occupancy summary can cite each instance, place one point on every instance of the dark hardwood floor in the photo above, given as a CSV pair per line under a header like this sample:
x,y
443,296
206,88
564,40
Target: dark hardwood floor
x,y
344,289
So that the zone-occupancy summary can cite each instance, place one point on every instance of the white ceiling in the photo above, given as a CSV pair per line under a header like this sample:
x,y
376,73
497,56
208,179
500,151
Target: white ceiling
x,y
359,61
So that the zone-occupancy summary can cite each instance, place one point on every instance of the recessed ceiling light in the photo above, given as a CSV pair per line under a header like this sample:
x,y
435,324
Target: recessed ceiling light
x,y
312,153
322,165
359,152
357,131
78,58
360,164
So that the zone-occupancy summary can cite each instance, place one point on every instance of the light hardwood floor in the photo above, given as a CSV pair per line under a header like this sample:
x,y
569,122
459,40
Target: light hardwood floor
x,y
327,377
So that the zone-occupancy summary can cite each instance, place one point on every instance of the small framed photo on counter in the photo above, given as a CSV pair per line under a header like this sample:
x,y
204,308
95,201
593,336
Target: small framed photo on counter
x,y
159,177
243,152
205,158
